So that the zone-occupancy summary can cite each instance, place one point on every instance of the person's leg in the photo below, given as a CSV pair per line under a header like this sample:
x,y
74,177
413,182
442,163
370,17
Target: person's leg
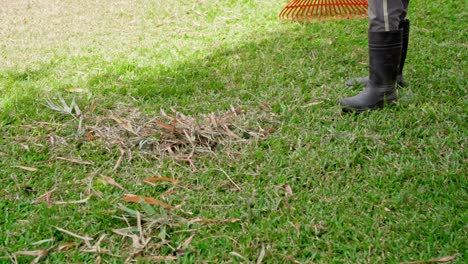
x,y
405,9
385,45
404,24
384,15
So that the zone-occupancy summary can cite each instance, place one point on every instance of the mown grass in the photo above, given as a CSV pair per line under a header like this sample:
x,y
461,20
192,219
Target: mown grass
x,y
322,187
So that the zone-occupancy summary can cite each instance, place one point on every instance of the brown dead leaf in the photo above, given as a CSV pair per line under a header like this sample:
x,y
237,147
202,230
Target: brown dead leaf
x,y
135,239
187,242
86,239
288,189
37,253
26,168
212,120
93,105
2,154
96,250
119,161
90,136
46,197
229,133
213,221
166,126
67,246
434,260
261,256
73,160
184,245
233,253
137,199
40,242
137,242
112,182
233,112
51,140
156,179
32,253
97,247
73,202
125,124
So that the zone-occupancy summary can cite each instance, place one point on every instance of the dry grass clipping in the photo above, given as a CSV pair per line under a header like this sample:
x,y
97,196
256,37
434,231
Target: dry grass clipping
x,y
175,135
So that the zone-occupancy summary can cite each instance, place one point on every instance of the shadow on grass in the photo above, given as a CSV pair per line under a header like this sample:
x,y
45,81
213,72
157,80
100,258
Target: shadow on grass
x,y
284,66
19,88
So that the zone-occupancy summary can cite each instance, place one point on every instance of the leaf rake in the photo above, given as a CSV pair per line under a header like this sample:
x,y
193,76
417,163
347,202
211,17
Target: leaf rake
x,y
312,10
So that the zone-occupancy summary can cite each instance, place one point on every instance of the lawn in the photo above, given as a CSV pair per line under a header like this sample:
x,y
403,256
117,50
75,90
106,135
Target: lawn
x,y
210,132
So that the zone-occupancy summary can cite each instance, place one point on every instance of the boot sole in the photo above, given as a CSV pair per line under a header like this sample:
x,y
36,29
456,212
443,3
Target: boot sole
x,y
349,84
369,108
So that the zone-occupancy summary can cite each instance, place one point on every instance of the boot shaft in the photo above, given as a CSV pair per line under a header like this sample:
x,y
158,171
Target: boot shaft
x,y
405,27
384,61
384,58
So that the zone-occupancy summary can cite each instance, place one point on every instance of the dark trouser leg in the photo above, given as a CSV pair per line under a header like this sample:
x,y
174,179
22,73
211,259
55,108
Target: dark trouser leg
x,y
385,15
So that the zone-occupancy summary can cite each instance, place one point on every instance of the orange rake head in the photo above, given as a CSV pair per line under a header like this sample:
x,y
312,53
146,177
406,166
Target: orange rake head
x,y
309,10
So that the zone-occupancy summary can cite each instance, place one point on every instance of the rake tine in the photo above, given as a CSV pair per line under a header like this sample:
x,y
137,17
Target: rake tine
x,y
339,10
331,6
315,6
327,10
320,10
352,9
290,10
284,12
335,9
308,10
359,7
302,11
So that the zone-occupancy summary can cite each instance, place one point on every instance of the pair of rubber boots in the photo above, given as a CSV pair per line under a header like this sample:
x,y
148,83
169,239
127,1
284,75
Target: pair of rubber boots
x,y
387,55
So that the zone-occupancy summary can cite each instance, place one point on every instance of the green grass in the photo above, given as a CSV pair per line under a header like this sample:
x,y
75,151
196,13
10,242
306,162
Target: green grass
x,y
382,187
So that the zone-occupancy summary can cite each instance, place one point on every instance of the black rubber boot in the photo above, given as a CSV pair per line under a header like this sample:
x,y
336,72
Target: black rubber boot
x,y
405,26
384,62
